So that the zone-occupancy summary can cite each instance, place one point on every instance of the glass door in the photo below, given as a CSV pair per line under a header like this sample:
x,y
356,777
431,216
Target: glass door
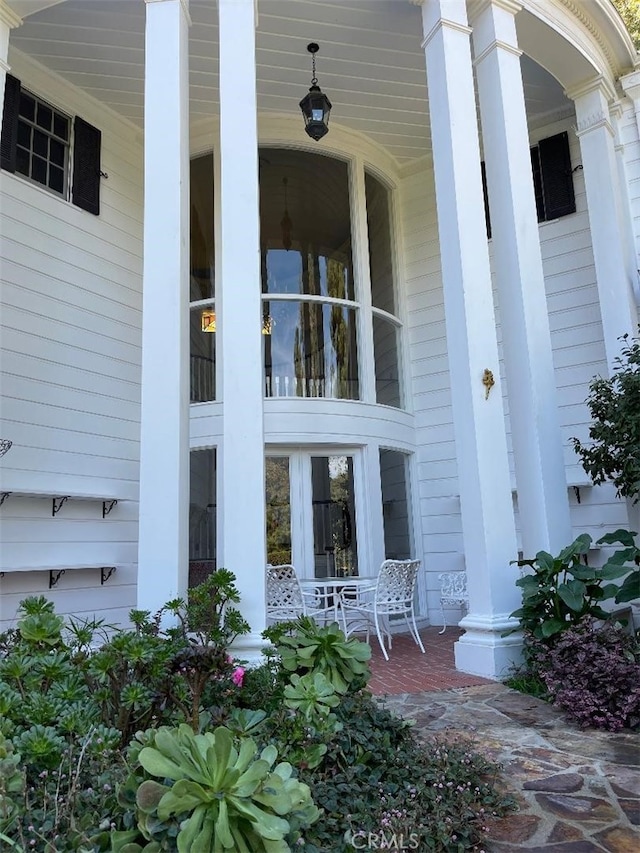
x,y
311,512
335,552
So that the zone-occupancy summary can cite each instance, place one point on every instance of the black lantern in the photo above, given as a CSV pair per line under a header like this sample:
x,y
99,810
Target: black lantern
x,y
315,106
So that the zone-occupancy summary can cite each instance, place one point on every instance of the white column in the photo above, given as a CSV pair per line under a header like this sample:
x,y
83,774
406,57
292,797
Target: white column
x,y
163,548
543,501
8,21
483,470
243,488
631,256
619,315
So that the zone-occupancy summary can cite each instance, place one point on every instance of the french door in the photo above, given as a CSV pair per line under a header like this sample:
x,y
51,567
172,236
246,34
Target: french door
x,y
313,509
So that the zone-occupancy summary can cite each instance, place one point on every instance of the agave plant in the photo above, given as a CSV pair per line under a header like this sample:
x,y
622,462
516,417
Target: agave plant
x,y
326,650
222,798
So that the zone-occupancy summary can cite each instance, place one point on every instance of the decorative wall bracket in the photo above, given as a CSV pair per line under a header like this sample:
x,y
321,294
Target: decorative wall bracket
x,y
54,577
107,506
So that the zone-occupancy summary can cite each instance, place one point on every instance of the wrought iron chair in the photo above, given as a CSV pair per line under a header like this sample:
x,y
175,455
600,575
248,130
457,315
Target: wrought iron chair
x,y
374,606
286,599
453,592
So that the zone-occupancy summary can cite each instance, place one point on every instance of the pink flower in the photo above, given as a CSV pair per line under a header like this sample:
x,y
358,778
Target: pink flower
x,y
238,676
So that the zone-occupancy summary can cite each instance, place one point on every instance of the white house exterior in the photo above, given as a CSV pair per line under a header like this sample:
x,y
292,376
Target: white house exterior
x,y
197,297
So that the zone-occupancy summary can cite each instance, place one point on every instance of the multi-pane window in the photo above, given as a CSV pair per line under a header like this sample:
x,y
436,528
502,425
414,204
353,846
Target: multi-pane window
x,y
49,148
42,148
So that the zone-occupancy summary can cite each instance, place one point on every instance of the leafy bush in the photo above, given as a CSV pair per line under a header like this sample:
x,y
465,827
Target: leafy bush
x,y
614,404
221,797
593,673
562,590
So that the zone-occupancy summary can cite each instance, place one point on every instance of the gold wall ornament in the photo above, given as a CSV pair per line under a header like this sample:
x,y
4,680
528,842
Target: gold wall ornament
x,y
488,381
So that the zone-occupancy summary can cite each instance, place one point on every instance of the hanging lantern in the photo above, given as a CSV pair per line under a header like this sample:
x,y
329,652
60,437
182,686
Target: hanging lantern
x,y
315,105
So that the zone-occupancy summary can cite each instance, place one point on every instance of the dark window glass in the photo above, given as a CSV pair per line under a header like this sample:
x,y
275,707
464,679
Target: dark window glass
x,y
395,506
202,515
56,179
44,116
385,353
40,143
24,135
27,107
56,152
202,284
22,162
305,224
61,127
380,253
39,170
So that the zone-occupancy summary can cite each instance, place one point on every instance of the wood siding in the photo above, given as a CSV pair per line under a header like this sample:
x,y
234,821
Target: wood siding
x,y
70,354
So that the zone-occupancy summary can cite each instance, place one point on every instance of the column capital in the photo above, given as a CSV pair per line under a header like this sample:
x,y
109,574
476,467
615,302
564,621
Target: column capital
x,y
443,24
587,87
8,16
631,84
476,7
183,3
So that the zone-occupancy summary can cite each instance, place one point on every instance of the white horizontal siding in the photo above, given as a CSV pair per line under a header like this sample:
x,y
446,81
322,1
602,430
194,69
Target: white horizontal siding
x,y
70,354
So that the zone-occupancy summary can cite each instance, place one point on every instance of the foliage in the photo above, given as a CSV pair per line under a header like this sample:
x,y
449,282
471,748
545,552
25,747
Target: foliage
x,y
325,649
614,404
221,797
377,777
630,12
563,590
311,695
593,673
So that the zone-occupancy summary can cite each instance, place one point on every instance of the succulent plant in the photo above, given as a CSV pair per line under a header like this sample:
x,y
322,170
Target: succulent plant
x,y
326,650
312,695
221,798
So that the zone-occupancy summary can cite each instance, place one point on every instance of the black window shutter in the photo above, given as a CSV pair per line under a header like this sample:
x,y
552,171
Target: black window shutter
x,y
557,177
537,182
9,137
485,194
86,166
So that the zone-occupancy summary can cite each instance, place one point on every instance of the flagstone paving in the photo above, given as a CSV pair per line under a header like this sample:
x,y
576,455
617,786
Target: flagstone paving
x,y
578,790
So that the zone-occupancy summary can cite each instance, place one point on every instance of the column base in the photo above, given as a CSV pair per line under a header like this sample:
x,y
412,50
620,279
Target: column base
x,y
482,650
248,649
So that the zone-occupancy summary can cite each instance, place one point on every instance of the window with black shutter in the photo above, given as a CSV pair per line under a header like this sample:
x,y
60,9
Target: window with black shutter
x,y
36,142
552,179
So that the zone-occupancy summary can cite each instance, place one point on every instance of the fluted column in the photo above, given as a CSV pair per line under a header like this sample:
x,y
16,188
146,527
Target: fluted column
x,y
163,547
478,414
543,500
243,487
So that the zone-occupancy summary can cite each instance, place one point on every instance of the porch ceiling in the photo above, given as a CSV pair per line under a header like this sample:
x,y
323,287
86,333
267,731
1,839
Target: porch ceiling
x,y
370,63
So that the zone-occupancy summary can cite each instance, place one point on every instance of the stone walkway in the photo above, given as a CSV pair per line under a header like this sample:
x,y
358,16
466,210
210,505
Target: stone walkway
x,y
578,790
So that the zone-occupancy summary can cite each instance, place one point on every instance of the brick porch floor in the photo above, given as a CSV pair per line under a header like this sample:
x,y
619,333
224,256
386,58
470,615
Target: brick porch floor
x,y
409,671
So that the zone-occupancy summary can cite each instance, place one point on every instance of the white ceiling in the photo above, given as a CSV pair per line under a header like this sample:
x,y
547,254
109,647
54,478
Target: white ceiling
x,y
370,63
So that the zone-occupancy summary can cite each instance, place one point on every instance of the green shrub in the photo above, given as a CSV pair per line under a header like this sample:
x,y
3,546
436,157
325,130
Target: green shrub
x,y
562,590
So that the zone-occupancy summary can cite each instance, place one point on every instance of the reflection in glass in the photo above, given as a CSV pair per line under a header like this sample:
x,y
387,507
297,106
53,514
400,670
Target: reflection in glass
x,y
395,506
278,510
305,224
380,255
316,274
202,282
385,353
311,351
203,354
202,515
334,516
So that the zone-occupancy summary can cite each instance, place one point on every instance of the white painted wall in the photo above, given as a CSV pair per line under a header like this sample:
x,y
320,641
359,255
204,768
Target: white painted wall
x,y
70,370
578,352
